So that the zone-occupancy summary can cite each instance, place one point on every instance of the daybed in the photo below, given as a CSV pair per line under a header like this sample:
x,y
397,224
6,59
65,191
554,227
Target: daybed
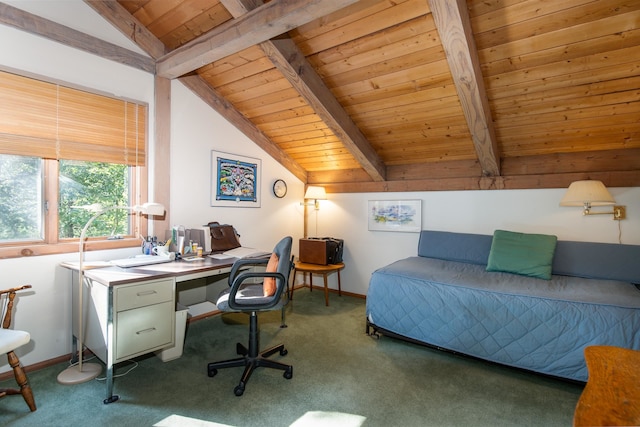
x,y
446,298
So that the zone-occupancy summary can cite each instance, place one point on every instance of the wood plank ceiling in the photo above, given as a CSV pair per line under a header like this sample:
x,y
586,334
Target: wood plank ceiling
x,y
412,95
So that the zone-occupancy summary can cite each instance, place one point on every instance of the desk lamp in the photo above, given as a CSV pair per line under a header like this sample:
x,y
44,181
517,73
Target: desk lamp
x,y
80,372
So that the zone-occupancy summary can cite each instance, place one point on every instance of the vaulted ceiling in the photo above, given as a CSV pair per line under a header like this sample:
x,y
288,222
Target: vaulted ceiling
x,y
406,95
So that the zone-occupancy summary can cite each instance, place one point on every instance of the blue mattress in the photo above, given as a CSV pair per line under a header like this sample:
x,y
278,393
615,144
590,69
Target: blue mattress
x,y
538,325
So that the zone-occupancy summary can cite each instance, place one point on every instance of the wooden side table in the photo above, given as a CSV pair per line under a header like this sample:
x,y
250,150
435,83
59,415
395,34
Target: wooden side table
x,y
325,270
612,394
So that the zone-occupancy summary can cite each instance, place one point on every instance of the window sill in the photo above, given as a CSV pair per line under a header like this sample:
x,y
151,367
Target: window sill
x,y
35,249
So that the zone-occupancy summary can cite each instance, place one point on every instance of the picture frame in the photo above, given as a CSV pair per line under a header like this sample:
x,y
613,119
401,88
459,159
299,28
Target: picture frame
x,y
235,180
395,215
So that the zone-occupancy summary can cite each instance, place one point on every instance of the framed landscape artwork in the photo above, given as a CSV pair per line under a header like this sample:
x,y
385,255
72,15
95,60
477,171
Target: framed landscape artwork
x,y
395,215
235,180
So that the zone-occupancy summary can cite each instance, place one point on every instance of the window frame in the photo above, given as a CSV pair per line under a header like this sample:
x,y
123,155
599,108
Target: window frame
x,y
52,244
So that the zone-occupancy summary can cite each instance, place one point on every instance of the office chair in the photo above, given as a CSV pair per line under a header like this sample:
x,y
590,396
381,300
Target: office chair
x,y
252,298
10,340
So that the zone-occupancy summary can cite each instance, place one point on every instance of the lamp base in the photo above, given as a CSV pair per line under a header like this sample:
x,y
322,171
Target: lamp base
x,y
73,374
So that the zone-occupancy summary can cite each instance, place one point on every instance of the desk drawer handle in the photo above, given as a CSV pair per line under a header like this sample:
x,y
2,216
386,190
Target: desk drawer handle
x,y
145,331
145,293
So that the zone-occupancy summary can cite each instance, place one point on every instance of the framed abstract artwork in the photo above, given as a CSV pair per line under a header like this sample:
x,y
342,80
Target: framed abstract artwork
x,y
395,215
235,180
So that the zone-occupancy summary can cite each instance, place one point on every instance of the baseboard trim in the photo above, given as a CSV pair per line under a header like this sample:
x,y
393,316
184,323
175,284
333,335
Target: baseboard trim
x,y
41,365
333,291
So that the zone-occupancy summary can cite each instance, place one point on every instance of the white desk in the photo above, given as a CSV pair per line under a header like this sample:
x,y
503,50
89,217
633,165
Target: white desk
x,y
129,312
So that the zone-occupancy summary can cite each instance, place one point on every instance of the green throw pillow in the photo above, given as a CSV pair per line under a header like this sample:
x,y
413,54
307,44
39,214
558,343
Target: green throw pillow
x,y
522,253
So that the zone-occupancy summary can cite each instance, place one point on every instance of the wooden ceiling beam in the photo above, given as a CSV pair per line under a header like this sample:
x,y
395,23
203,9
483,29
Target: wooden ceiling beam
x,y
237,8
293,65
33,24
261,24
454,26
212,98
288,58
616,168
128,25
517,182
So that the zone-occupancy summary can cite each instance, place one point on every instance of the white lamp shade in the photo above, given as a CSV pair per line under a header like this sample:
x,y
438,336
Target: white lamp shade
x,y
316,193
151,208
587,192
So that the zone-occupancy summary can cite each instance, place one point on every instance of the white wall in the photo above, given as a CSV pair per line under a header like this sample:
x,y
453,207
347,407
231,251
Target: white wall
x,y
531,211
196,130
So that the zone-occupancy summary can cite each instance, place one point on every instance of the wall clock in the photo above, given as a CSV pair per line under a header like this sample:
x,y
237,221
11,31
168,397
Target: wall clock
x,y
279,188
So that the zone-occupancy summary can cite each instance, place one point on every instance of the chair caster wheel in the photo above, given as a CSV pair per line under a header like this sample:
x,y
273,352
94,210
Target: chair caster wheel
x,y
239,390
283,352
288,374
212,372
111,399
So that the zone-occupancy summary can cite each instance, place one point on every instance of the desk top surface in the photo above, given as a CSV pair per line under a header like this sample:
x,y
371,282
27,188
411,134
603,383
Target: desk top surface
x,y
181,270
610,397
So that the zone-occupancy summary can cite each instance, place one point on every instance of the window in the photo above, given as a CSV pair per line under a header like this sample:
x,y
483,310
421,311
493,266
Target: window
x,y
63,148
86,183
21,216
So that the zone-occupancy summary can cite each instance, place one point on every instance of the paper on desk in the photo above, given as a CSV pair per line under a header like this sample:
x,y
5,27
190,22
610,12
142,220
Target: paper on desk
x,y
241,252
220,256
86,265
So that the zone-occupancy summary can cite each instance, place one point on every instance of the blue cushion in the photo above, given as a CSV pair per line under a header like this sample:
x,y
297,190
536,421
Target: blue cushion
x,y
522,253
598,261
459,247
590,260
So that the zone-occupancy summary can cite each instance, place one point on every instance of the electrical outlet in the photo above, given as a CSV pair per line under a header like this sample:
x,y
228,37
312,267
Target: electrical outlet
x,y
619,212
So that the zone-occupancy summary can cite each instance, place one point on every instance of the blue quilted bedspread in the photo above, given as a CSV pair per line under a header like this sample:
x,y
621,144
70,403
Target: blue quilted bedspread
x,y
538,325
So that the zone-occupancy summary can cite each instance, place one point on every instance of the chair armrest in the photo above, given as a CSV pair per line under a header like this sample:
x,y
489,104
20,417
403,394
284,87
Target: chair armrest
x,y
262,304
245,262
8,291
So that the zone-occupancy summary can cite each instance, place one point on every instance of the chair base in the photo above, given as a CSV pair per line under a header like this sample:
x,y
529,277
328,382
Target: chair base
x,y
251,359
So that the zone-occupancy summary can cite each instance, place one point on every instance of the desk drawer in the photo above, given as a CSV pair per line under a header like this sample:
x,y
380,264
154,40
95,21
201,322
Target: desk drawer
x,y
140,295
144,329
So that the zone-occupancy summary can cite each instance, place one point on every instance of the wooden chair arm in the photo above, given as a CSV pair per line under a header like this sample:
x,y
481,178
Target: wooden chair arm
x,y
8,291
6,310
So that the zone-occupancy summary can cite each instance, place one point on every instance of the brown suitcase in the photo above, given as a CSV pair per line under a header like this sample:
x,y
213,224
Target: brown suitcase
x,y
313,251
223,237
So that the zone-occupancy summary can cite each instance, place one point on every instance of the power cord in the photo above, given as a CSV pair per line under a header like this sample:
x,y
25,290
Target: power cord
x,y
135,365
83,360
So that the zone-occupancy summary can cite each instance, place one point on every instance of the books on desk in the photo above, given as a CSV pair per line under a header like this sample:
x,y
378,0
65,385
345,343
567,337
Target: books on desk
x,y
240,252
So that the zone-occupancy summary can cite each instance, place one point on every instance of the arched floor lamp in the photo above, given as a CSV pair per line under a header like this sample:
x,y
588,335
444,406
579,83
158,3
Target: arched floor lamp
x,y
83,372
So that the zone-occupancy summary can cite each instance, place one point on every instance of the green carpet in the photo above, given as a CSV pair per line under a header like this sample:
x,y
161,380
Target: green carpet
x,y
336,368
